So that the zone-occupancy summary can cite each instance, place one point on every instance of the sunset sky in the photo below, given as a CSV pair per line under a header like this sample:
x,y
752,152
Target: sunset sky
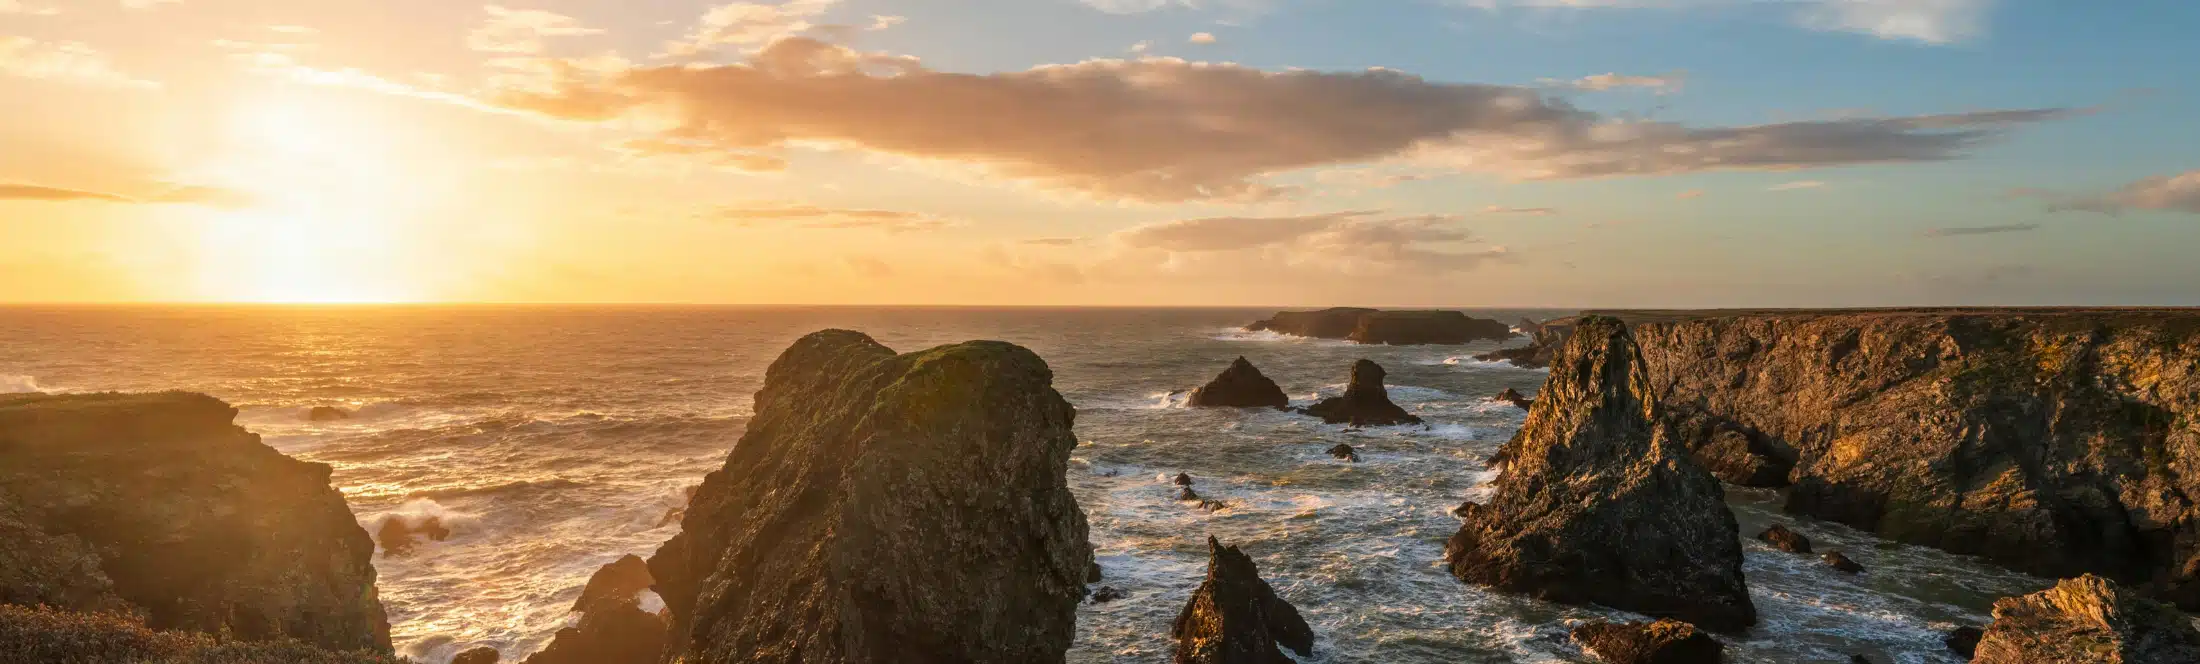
x,y
1109,152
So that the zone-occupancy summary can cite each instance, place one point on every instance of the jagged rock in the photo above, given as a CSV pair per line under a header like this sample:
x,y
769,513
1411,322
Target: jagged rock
x,y
1842,563
615,627
1186,493
1365,402
1183,479
1213,505
884,504
1661,642
1528,327
1596,505
399,537
1399,328
1240,386
481,655
2087,619
1345,452
327,414
1780,537
1964,641
1236,618
1514,397
159,501
1107,594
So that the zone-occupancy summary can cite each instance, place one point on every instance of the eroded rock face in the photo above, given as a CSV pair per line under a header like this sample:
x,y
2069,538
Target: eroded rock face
x,y
1398,328
1240,386
1661,642
615,626
160,503
2087,619
883,507
1365,403
1236,618
1597,506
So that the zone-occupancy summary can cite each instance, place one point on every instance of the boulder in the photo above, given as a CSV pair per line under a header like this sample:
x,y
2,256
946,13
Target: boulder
x,y
1236,618
1839,562
881,505
2087,619
1964,641
616,626
1661,642
1345,452
327,414
1240,386
1107,594
1399,328
1364,403
1596,505
1514,397
158,505
1785,540
480,655
399,536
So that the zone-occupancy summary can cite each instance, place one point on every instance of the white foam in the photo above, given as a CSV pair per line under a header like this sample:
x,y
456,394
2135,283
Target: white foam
x,y
18,384
650,601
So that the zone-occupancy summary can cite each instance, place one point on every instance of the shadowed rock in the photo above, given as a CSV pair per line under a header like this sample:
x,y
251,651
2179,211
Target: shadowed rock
x,y
1236,618
481,655
1345,452
1729,450
1240,386
1785,540
158,505
1186,493
1661,642
886,507
327,414
1514,397
1107,594
399,537
1836,560
615,627
1597,506
1964,641
1183,479
1370,326
1365,403
2087,619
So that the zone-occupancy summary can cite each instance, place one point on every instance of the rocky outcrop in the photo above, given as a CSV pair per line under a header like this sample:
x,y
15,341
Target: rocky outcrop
x,y
2087,619
1397,328
1345,452
617,625
1236,618
158,505
1729,449
327,414
1240,386
1513,396
1780,537
1963,641
881,505
43,635
1365,403
1840,562
398,536
1661,642
2057,442
1590,471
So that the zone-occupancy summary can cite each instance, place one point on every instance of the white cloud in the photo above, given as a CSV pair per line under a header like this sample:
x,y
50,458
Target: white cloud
x,y
147,4
71,62
2167,193
1530,211
17,7
749,24
1663,84
1690,194
1927,21
1352,241
1203,38
822,218
523,31
1798,184
1961,231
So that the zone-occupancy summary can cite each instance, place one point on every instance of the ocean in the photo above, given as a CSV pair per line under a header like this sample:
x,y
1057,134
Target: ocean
x,y
553,440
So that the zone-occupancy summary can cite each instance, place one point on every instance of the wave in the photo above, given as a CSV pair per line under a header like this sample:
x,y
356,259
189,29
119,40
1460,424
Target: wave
x,y
19,384
1271,336
521,486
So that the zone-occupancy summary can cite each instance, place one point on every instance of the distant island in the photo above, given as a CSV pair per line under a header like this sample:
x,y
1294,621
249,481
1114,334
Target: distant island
x,y
1378,327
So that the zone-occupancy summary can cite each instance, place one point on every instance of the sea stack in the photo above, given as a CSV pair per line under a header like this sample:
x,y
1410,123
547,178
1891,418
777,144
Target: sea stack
x,y
158,505
2090,620
1240,386
1236,618
881,505
1596,506
616,626
1365,402
1397,328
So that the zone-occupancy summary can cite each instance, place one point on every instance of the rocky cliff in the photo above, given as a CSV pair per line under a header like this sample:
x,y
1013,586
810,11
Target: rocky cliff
x,y
883,507
1400,328
2087,620
158,506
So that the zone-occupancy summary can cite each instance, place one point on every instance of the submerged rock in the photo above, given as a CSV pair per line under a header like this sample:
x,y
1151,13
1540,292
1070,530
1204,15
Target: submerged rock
x,y
399,537
2087,619
1370,326
1661,642
327,414
881,505
1236,618
1107,594
1785,540
480,655
1240,386
615,626
1345,452
1365,402
1835,560
159,505
1597,506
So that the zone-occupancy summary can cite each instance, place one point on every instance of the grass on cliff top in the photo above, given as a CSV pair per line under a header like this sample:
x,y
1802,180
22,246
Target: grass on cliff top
x,y
48,636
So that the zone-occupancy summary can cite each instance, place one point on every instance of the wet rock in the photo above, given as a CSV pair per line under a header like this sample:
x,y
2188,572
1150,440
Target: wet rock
x,y
621,580
1661,642
1465,508
1345,452
1240,386
1213,505
1728,449
2087,619
1370,326
615,627
1780,537
1514,397
1525,357
481,655
1364,403
158,505
1964,641
1107,594
1859,659
1528,327
1183,479
1842,563
1093,575
1186,493
327,414
854,499
1597,506
1236,618
399,537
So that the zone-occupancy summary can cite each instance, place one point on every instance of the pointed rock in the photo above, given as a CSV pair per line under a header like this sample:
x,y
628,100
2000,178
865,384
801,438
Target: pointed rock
x,y
1514,397
2087,619
615,626
1661,642
1594,506
1365,402
1183,479
1240,386
881,505
1236,618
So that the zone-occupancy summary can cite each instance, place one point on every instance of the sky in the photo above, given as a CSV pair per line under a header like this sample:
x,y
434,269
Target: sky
x,y
1547,153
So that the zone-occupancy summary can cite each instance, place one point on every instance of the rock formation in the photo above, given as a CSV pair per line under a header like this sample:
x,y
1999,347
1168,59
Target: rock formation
x,y
1661,642
1345,452
1533,356
43,635
1397,328
1729,450
2087,619
1514,397
1240,386
883,505
1785,540
1365,402
1964,641
327,414
1597,506
1839,562
1107,594
615,626
1186,493
1528,327
160,506
1236,618
1183,479
480,655
398,536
